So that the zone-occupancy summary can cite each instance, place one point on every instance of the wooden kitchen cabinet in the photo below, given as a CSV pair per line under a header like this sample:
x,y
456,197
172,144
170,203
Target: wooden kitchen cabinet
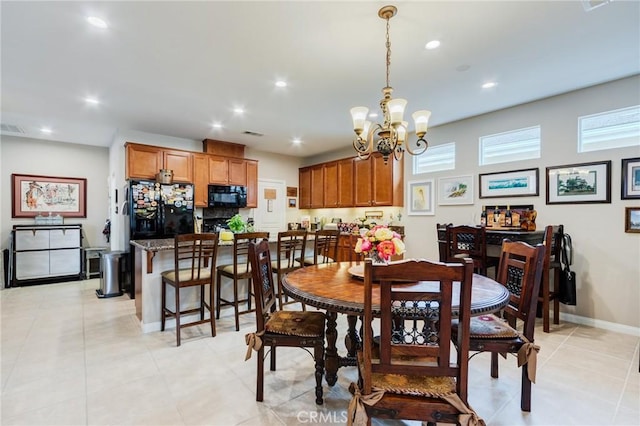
x,y
252,184
338,183
218,170
143,161
304,183
317,186
237,172
378,184
330,185
181,164
201,179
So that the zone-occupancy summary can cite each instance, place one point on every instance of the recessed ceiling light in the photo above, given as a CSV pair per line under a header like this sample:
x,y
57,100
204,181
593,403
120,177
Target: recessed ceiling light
x,y
46,130
433,44
217,125
281,83
91,100
489,85
97,22
297,141
373,114
238,110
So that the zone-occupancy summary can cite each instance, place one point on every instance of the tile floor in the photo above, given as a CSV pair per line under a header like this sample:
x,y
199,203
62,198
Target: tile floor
x,y
69,358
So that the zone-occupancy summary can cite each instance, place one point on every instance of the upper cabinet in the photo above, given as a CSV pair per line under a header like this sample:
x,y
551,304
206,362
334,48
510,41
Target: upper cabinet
x,y
252,184
181,164
352,182
143,161
201,179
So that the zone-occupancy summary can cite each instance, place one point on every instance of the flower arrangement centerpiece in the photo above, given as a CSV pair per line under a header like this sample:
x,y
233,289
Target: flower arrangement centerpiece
x,y
380,243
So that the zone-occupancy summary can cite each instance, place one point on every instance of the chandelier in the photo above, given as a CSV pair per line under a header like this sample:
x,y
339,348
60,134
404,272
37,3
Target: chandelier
x,y
393,131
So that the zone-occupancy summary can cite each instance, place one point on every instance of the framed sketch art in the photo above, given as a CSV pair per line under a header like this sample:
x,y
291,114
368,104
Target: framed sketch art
x,y
455,190
579,183
38,195
632,220
421,198
515,183
630,178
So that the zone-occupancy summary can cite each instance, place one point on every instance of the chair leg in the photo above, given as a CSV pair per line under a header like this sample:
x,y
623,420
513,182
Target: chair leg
x,y
163,314
494,365
272,358
556,301
525,394
249,285
202,303
211,314
545,302
235,303
177,315
260,374
318,354
218,283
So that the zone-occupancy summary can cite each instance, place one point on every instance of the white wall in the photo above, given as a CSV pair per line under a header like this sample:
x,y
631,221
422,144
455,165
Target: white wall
x,y
607,260
47,158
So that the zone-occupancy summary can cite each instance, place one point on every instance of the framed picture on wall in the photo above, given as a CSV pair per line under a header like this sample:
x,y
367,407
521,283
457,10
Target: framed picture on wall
x,y
579,183
421,198
514,183
455,190
630,178
40,195
632,220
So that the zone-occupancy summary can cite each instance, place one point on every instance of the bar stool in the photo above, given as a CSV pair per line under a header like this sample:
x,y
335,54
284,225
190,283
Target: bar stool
x,y
291,247
240,269
194,257
325,247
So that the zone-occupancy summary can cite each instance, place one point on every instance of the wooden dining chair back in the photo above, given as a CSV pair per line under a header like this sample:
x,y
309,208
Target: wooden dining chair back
x,y
469,241
406,372
237,271
276,327
291,247
444,240
194,258
552,241
520,271
325,247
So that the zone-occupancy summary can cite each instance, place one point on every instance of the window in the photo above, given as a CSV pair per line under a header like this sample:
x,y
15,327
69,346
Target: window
x,y
522,144
436,158
611,129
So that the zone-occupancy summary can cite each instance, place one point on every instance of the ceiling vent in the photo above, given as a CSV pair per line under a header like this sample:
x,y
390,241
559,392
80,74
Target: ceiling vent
x,y
250,133
589,5
11,128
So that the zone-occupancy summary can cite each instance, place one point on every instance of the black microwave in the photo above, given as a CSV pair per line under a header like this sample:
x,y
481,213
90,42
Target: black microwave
x,y
227,196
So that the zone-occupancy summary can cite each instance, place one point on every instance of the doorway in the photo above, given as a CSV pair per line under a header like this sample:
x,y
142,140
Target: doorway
x,y
271,212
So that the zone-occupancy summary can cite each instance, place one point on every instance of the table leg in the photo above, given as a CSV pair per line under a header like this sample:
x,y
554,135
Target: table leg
x,y
352,339
331,359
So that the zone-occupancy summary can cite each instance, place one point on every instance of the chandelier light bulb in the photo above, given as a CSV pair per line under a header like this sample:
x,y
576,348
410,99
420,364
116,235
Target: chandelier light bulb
x,y
396,110
421,119
359,115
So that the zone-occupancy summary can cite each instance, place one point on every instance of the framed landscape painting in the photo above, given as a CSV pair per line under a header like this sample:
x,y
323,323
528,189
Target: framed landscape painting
x,y
630,178
515,183
579,183
455,190
632,220
40,195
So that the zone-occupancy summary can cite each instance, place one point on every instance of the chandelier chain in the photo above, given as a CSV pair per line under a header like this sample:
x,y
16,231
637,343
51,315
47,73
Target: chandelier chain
x,y
388,44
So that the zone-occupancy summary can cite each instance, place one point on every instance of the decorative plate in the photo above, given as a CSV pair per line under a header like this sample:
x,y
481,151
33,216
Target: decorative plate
x,y
357,271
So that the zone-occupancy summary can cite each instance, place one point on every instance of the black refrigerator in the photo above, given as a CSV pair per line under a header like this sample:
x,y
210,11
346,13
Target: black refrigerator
x,y
160,210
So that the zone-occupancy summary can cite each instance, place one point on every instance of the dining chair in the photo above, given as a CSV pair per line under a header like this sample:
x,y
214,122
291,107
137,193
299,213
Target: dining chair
x,y
520,271
325,247
470,241
407,371
442,233
291,246
239,270
276,327
553,245
194,257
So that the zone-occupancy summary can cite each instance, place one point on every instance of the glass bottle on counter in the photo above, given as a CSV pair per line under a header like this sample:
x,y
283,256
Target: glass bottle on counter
x,y
508,221
483,216
496,216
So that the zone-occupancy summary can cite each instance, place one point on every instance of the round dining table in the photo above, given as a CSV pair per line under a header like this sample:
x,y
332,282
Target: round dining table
x,y
338,288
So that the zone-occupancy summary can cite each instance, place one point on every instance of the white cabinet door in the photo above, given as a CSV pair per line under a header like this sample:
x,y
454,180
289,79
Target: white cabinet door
x,y
36,239
32,264
64,262
64,238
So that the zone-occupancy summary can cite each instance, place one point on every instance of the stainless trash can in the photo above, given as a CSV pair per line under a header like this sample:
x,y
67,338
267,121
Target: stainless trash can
x,y
110,284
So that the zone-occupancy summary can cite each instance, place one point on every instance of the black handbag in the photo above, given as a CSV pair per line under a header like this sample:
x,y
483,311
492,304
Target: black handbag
x,y
567,288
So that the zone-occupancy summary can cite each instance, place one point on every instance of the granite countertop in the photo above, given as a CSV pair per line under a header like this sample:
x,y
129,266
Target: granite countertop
x,y
165,244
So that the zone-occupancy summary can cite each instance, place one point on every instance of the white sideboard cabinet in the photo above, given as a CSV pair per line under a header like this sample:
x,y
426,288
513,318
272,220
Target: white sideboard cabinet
x,y
46,253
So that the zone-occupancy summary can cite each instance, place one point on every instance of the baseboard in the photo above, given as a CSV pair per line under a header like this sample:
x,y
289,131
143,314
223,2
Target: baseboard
x,y
605,325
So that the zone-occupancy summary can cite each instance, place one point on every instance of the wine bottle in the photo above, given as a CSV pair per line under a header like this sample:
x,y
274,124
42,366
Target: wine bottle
x,y
507,217
483,216
496,216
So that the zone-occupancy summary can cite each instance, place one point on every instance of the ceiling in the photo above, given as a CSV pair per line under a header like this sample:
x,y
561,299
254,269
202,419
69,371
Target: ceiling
x,y
174,68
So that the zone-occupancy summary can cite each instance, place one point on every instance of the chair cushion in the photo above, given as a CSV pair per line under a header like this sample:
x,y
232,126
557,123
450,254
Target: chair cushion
x,y
242,269
414,385
185,274
489,327
296,323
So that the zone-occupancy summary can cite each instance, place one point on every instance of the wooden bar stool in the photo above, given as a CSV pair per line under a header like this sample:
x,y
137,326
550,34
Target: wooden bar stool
x,y
240,269
291,247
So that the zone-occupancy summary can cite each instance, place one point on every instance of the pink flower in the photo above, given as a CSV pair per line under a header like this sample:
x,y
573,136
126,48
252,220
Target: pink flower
x,y
386,249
